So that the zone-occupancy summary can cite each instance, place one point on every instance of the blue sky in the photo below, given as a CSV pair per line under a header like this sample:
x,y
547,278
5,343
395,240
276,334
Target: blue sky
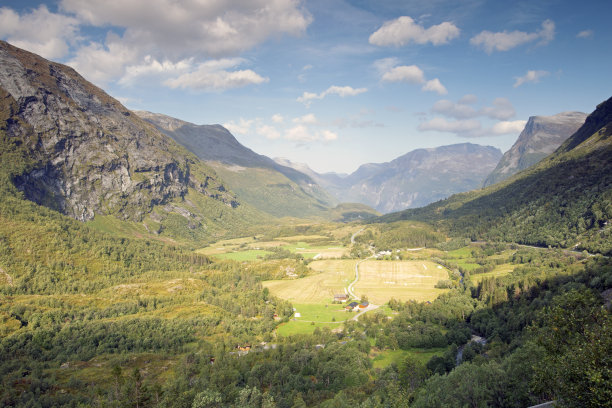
x,y
333,83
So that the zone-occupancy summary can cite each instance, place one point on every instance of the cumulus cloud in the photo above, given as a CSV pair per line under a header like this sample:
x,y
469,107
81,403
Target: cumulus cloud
x,y
508,127
530,76
457,126
301,133
585,34
213,29
269,132
404,73
500,109
391,72
504,41
242,127
152,67
434,85
101,63
342,91
214,76
405,30
167,31
466,120
468,99
454,110
308,119
472,127
39,31
278,118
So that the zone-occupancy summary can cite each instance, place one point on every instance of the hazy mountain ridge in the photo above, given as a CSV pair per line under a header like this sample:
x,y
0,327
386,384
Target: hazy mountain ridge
x,y
83,153
414,179
542,136
272,187
564,200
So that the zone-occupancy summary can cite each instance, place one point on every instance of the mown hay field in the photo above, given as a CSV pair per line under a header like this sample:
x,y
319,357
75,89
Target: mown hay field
x,y
401,280
333,277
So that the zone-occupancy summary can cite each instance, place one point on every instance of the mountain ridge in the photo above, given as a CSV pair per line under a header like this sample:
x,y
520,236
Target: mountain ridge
x,y
564,200
271,187
407,180
541,136
84,154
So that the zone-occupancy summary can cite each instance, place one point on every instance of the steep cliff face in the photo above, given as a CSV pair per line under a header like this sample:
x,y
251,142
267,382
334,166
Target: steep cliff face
x,y
542,136
86,153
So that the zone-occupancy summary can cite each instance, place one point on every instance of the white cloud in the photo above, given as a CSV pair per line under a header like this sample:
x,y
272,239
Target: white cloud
x,y
213,76
278,118
504,41
100,63
39,31
301,133
269,132
404,73
152,67
502,109
585,34
391,72
505,127
328,135
443,125
243,126
454,110
466,123
434,85
468,99
530,76
342,91
179,28
308,119
405,30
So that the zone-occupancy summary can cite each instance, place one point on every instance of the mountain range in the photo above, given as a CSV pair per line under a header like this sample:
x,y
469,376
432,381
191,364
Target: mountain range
x,y
267,185
542,136
563,200
414,179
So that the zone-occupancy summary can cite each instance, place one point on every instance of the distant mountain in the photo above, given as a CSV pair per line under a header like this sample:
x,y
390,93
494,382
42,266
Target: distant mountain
x,y
271,187
69,146
542,136
415,179
564,200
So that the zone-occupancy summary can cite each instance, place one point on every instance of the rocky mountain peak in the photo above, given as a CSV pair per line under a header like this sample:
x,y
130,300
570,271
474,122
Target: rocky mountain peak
x,y
541,136
87,154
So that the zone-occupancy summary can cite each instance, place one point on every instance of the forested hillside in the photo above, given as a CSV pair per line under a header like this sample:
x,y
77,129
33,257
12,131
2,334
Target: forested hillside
x,y
565,200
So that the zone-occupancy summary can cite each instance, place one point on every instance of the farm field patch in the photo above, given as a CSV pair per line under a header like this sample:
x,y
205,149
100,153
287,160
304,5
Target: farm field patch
x,y
402,280
334,276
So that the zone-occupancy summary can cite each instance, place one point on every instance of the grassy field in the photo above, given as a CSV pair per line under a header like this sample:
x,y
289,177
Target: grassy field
x,y
313,316
248,255
334,276
249,249
402,280
379,281
500,270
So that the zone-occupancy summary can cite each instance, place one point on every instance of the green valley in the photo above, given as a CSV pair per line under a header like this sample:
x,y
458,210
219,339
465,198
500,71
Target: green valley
x,y
136,270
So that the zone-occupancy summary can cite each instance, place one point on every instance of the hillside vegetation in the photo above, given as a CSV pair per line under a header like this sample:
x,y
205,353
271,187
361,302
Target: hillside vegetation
x,y
565,200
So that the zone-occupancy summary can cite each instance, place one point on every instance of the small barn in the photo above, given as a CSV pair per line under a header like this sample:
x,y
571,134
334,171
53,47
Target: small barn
x,y
343,297
364,304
